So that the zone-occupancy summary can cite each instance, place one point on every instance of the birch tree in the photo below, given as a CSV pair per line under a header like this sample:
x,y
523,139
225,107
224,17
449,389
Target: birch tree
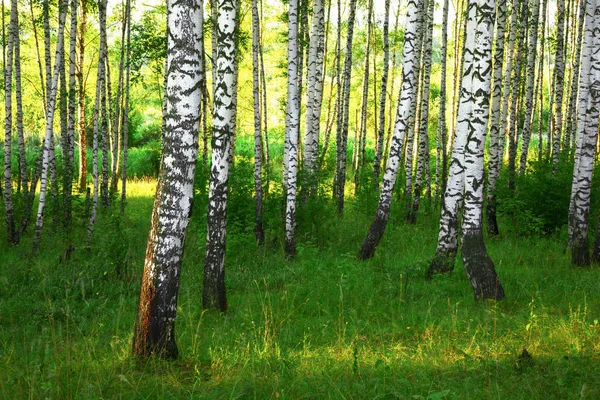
x,y
315,96
47,154
465,183
442,136
501,95
224,115
343,114
155,323
126,107
587,131
529,96
383,91
406,99
81,122
292,129
258,229
559,70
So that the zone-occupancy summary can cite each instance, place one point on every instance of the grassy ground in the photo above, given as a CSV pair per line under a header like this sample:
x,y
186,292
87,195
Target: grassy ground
x,y
323,325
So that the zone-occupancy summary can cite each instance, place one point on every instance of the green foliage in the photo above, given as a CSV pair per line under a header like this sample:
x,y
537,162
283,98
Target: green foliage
x,y
540,203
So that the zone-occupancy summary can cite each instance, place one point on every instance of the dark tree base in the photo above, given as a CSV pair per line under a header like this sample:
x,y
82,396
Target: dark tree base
x,y
367,250
411,217
442,263
259,233
146,344
580,254
492,222
214,294
290,249
480,268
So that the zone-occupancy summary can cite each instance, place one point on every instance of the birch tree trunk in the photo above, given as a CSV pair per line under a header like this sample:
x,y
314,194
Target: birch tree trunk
x,y
8,119
466,171
52,88
81,124
344,114
587,131
383,91
99,119
315,97
126,106
559,70
513,131
224,115
258,229
23,181
406,98
529,96
292,128
69,150
442,135
571,117
173,203
499,108
103,103
423,153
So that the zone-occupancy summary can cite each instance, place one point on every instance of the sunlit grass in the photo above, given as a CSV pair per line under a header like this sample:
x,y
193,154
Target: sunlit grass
x,y
323,325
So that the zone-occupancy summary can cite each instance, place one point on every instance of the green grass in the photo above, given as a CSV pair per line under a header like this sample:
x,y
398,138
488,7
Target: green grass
x,y
323,325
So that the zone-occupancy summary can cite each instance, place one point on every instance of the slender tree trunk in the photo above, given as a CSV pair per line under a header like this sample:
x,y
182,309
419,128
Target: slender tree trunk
x,y
343,116
529,96
571,117
587,131
126,107
103,107
224,115
406,98
513,131
258,229
99,120
8,119
117,127
292,128
173,203
423,153
362,128
442,136
23,181
46,156
81,124
315,97
499,109
541,79
383,92
559,70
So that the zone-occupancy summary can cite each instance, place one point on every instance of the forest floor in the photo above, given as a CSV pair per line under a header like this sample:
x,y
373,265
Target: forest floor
x,y
322,325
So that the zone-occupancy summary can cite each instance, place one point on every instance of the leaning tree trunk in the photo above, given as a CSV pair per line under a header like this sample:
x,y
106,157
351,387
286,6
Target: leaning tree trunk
x,y
466,171
499,110
529,96
406,98
258,229
343,116
587,131
224,115
52,88
155,324
292,128
382,92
